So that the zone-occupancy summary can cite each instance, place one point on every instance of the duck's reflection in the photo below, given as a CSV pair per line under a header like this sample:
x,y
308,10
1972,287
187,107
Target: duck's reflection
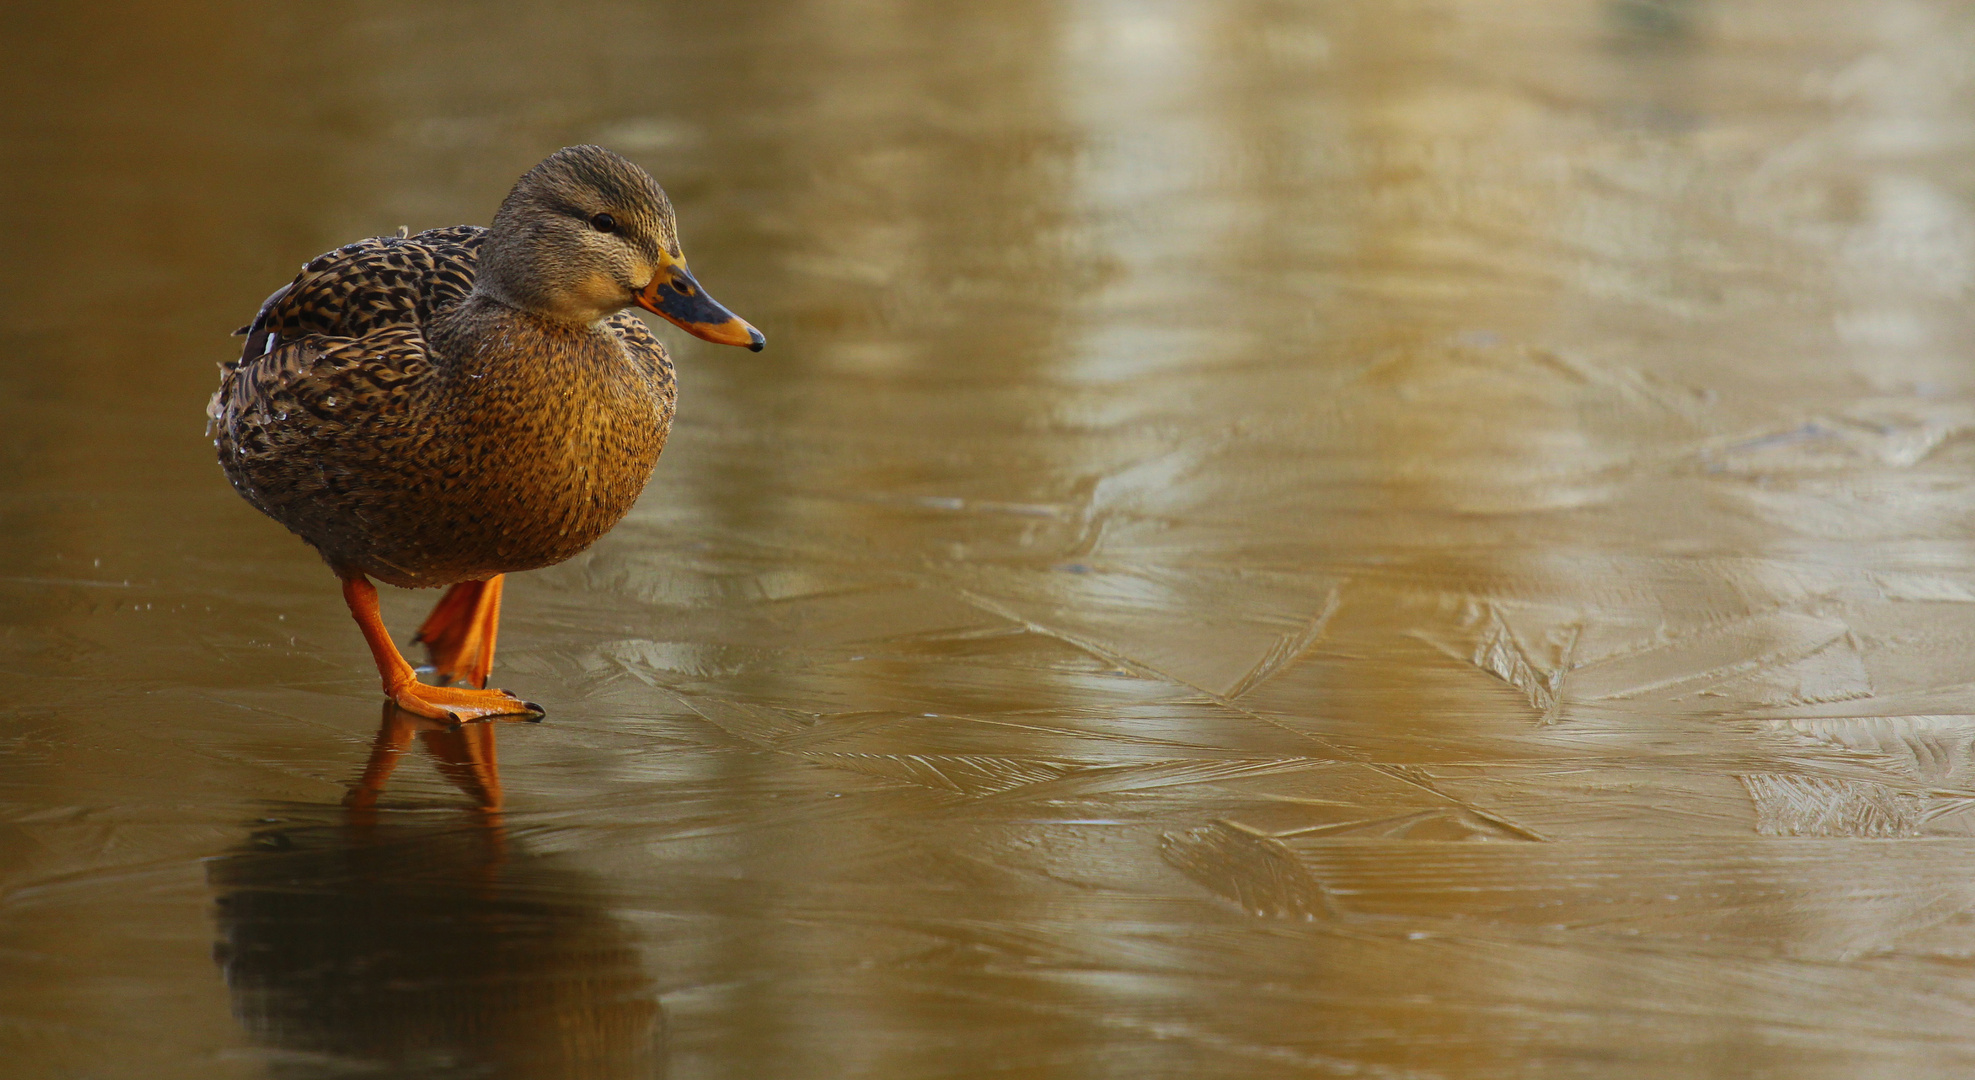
x,y
364,942
464,753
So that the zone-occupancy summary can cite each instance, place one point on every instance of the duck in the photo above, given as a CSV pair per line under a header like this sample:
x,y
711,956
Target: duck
x,y
443,409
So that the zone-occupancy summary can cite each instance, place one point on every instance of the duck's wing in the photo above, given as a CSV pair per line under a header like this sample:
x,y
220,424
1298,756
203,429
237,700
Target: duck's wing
x,y
373,284
347,333
338,352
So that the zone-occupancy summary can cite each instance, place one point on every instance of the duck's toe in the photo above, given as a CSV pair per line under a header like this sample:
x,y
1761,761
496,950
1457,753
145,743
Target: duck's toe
x,y
462,705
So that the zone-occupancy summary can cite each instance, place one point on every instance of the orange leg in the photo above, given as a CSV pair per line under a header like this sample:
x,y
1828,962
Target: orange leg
x,y
459,634
401,683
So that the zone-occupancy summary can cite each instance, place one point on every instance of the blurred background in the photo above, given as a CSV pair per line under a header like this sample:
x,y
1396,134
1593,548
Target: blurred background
x,y
1394,539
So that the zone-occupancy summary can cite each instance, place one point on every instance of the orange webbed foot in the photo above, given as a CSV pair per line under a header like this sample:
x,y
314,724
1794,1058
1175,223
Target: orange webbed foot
x,y
457,704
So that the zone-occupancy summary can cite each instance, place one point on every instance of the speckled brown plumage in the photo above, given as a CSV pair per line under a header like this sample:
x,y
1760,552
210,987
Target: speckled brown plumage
x,y
423,436
446,408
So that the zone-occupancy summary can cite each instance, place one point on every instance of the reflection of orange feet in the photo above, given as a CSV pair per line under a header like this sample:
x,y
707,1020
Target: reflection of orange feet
x,y
463,752
459,634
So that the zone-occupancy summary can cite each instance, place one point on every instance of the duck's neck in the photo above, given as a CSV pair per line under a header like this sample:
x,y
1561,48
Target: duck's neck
x,y
484,336
527,278
488,332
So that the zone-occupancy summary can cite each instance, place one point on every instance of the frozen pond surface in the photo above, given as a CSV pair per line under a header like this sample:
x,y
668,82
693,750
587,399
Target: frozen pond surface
x,y
1270,540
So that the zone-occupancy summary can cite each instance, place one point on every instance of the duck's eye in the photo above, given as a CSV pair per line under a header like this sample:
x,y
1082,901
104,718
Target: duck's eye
x,y
603,223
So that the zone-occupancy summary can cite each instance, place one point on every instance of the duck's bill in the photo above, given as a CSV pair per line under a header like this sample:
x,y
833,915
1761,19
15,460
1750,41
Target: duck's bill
x,y
674,296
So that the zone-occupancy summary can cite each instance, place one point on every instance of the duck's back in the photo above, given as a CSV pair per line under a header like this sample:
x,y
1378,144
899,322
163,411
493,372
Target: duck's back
x,y
422,441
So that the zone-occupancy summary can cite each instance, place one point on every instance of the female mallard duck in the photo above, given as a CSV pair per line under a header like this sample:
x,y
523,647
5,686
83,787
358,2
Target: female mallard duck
x,y
446,408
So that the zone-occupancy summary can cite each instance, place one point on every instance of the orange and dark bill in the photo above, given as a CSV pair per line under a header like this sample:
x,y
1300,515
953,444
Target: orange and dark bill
x,y
674,295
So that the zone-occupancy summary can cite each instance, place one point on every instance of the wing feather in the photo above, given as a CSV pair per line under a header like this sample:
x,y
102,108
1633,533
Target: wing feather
x,y
380,291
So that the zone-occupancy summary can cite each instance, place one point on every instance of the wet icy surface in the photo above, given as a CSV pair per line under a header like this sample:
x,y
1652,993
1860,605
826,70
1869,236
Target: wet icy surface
x,y
1375,539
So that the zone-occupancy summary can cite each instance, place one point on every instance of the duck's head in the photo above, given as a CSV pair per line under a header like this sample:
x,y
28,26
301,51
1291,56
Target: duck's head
x,y
586,234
